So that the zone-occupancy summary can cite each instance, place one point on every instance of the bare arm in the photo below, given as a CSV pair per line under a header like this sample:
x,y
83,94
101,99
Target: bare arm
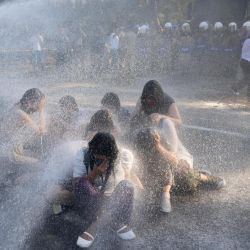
x,y
27,120
135,179
174,114
42,120
169,156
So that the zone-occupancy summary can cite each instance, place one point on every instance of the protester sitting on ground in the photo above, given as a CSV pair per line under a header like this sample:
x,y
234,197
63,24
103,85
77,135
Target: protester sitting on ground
x,y
121,115
162,171
92,170
20,130
64,155
164,124
102,121
64,122
157,104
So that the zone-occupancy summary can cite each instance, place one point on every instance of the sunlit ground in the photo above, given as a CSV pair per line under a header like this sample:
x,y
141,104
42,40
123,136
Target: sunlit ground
x,y
218,137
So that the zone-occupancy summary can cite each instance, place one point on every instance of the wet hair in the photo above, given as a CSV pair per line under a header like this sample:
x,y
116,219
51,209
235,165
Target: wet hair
x,y
102,144
101,121
152,89
111,99
137,122
145,140
68,102
34,95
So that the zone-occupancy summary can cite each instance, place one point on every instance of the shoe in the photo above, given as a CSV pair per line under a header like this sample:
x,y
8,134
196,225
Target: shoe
x,y
165,203
205,172
214,182
85,243
129,235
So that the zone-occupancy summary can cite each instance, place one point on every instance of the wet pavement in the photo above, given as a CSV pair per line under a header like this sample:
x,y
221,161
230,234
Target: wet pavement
x,y
218,135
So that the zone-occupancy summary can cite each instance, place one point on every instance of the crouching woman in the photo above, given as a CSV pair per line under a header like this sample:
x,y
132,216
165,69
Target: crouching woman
x,y
93,167
163,172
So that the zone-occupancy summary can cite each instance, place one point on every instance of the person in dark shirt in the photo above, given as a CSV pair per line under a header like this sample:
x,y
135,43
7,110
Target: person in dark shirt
x,y
63,123
157,104
112,102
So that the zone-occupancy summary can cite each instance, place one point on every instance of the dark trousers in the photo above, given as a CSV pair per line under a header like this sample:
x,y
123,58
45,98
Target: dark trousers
x,y
89,201
245,81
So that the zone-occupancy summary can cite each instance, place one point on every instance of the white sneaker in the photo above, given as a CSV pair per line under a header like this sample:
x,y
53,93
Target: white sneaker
x,y
129,235
85,243
165,203
221,183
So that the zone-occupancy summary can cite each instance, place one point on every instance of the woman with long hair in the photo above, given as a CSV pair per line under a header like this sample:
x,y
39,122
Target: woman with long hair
x,y
93,167
163,172
19,127
154,102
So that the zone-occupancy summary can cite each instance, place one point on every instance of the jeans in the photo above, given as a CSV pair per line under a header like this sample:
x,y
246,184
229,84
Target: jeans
x,y
89,201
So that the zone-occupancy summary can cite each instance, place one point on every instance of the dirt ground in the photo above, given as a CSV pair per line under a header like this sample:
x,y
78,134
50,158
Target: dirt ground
x,y
216,130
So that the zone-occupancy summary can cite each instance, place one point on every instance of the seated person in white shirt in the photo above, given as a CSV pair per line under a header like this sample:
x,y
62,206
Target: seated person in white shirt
x,y
101,121
94,166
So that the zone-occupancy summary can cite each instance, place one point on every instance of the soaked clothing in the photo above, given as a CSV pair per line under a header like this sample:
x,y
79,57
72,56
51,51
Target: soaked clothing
x,y
62,127
171,140
122,118
15,136
155,173
89,201
90,198
124,162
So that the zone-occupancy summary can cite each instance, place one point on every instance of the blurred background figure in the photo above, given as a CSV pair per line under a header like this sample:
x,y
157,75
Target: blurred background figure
x,y
245,67
186,45
37,42
201,48
113,45
231,50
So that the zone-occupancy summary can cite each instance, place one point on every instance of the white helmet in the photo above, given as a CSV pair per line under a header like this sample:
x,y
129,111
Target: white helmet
x,y
186,27
218,26
232,27
203,26
246,25
168,26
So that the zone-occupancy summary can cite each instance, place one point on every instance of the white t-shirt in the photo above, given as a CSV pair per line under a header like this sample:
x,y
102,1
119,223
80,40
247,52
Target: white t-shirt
x,y
61,162
114,41
124,162
168,133
245,54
